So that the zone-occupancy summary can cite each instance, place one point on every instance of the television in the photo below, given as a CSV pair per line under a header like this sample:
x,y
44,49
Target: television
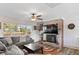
x,y
53,29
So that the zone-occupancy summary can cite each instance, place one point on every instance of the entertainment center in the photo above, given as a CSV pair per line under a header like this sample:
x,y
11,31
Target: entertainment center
x,y
53,33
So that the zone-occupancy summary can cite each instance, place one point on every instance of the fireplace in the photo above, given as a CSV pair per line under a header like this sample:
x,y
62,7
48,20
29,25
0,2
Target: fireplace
x,y
51,38
53,33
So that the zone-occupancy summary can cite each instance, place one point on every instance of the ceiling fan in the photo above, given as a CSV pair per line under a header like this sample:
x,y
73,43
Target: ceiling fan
x,y
36,17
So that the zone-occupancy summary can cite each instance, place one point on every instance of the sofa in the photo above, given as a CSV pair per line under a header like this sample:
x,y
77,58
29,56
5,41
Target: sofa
x,y
13,45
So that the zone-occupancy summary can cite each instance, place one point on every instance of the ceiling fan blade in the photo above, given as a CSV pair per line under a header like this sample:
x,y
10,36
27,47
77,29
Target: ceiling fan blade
x,y
39,15
39,18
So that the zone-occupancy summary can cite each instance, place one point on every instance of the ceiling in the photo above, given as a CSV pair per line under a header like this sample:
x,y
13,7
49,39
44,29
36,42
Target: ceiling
x,y
21,12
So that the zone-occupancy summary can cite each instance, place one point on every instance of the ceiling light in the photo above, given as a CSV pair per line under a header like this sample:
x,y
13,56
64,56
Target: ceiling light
x,y
33,18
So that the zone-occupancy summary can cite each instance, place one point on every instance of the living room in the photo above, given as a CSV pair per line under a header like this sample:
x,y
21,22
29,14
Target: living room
x,y
39,29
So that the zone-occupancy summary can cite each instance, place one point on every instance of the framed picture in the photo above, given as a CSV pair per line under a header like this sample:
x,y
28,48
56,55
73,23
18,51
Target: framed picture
x,y
71,26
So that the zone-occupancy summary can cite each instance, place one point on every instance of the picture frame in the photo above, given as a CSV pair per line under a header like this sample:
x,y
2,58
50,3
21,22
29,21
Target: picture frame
x,y
71,26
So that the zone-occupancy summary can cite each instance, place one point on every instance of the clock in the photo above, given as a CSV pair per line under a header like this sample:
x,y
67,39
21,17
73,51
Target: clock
x,y
71,26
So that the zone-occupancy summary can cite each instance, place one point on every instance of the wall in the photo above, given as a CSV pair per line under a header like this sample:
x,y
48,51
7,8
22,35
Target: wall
x,y
1,30
70,14
35,35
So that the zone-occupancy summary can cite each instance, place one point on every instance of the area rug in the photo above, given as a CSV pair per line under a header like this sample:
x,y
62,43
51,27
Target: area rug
x,y
57,51
47,49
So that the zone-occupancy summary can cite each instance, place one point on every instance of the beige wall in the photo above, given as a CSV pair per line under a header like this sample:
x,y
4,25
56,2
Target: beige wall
x,y
69,13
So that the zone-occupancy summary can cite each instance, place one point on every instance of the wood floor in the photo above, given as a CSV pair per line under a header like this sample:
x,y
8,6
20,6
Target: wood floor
x,y
65,51
47,50
50,50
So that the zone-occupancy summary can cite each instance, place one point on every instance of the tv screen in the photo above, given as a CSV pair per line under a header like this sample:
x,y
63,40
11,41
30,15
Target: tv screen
x,y
52,29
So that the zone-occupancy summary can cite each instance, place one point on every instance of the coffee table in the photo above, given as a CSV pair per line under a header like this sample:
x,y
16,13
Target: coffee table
x,y
33,47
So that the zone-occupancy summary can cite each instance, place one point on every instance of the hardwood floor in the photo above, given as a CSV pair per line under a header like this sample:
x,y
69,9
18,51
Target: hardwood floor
x,y
50,50
56,51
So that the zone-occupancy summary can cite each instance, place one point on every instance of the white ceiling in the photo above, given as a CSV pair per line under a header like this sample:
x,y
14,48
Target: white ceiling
x,y
20,12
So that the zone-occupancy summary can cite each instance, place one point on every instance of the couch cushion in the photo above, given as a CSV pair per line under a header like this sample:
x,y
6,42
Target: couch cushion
x,y
22,39
2,47
9,40
15,39
29,39
4,42
14,50
26,39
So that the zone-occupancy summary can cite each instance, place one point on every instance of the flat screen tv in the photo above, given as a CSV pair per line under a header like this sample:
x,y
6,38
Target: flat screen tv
x,y
53,29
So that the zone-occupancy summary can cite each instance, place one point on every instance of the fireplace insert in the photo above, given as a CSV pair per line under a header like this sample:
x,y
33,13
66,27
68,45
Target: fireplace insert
x,y
51,38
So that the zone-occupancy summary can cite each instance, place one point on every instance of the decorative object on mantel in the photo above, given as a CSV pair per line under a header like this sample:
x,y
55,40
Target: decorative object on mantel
x,y
71,26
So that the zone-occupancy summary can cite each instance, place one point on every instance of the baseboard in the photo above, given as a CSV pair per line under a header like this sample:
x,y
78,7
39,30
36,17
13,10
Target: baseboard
x,y
77,48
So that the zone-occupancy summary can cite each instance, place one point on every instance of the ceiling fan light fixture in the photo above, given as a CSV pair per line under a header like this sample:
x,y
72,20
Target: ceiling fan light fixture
x,y
33,18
